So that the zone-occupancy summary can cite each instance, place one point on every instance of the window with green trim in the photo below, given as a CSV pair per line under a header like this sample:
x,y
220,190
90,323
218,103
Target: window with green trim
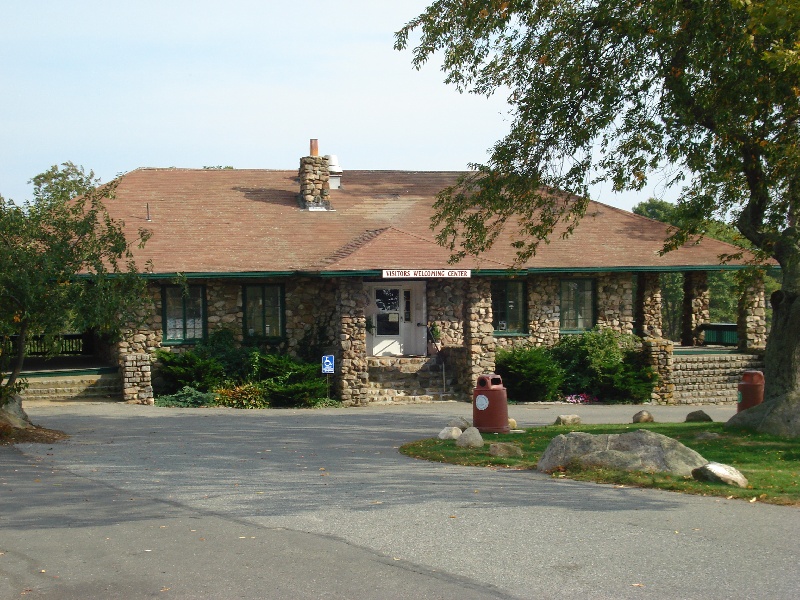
x,y
577,304
263,310
508,306
184,313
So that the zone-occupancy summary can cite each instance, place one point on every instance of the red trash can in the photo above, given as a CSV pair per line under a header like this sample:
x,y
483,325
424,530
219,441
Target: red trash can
x,y
490,405
751,390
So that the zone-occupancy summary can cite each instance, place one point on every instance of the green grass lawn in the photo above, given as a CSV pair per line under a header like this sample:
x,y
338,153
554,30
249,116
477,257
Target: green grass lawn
x,y
771,464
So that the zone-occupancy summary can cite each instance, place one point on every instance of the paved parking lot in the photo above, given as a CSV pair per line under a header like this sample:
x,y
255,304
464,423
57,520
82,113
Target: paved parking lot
x,y
146,502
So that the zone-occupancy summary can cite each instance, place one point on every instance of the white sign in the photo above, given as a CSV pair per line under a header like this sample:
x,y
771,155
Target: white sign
x,y
481,402
327,363
430,273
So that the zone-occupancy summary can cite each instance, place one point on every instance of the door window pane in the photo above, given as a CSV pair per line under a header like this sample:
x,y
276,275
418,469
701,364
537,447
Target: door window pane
x,y
577,304
508,306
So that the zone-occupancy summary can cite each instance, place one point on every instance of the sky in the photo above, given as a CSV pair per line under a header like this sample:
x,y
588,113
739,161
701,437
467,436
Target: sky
x,y
243,83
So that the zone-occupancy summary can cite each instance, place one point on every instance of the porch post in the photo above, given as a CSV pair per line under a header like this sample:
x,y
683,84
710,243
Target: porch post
x,y
478,330
352,343
752,322
695,307
648,305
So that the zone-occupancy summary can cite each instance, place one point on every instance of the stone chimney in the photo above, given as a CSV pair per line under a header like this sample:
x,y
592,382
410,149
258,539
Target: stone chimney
x,y
314,180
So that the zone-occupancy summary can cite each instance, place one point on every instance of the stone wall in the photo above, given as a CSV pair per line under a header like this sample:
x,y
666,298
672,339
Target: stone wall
x,y
479,332
711,378
445,303
136,378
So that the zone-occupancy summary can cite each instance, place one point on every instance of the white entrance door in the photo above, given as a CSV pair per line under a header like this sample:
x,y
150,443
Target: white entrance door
x,y
397,315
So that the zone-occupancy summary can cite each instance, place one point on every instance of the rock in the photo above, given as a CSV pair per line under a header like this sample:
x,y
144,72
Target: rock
x,y
567,420
512,423
643,417
450,433
718,473
506,450
707,435
698,416
460,422
470,438
640,450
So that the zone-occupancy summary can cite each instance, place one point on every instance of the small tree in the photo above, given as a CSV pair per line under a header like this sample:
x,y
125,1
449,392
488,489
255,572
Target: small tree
x,y
64,264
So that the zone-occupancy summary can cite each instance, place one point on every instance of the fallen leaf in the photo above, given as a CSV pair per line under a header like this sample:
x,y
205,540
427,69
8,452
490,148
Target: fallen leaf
x,y
637,585
753,499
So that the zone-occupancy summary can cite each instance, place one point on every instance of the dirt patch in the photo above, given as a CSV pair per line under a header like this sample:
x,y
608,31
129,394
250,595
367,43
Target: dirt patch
x,y
34,435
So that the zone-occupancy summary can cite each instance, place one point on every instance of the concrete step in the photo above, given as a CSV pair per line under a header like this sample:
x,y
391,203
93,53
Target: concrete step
x,y
60,387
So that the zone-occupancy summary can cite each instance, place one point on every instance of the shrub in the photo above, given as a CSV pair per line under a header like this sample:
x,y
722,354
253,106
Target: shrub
x,y
188,397
605,364
246,395
530,374
187,369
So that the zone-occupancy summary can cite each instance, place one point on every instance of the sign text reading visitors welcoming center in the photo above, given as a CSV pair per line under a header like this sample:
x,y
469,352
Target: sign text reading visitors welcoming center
x,y
411,273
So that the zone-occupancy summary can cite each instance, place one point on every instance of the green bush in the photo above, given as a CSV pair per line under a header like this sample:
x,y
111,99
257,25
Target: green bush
x,y
242,377
187,369
246,395
530,374
605,364
188,397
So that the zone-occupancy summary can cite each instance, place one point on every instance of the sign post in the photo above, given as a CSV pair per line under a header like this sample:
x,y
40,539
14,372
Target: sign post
x,y
328,368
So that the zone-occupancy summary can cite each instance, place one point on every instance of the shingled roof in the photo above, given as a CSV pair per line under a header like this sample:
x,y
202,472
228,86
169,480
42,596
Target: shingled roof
x,y
238,222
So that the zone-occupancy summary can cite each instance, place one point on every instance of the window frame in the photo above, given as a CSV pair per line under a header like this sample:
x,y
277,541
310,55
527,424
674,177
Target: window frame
x,y
183,340
583,281
281,311
524,328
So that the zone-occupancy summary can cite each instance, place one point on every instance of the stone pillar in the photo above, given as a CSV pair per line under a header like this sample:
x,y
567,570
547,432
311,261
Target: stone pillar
x,y
314,183
659,352
648,305
479,331
544,310
353,376
615,302
752,321
696,309
137,384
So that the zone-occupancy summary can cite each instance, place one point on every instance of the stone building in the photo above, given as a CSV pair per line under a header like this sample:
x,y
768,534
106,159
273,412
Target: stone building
x,y
319,261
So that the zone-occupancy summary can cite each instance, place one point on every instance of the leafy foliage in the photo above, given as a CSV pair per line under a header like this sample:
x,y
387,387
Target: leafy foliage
x,y
246,395
241,376
187,397
65,265
530,374
600,364
605,364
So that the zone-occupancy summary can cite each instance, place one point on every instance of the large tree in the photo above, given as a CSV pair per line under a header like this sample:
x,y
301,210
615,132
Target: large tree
x,y
65,265
702,94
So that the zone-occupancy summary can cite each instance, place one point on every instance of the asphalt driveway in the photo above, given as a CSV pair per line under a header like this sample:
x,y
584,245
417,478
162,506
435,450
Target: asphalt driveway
x,y
146,502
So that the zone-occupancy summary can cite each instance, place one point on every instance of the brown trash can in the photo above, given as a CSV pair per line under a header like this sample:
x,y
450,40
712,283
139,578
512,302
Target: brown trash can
x,y
751,390
490,405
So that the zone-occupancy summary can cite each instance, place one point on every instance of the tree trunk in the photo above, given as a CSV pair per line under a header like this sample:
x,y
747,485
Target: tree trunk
x,y
12,413
779,414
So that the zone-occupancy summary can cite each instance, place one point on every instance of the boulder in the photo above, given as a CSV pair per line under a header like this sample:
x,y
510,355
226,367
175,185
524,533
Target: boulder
x,y
698,416
450,433
460,422
470,438
707,435
640,450
718,473
567,420
643,417
505,450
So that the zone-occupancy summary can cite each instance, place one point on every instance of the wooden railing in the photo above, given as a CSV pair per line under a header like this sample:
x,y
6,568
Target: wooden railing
x,y
69,344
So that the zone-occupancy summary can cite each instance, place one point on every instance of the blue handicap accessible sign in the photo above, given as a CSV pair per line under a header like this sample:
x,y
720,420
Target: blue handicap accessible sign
x,y
327,363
